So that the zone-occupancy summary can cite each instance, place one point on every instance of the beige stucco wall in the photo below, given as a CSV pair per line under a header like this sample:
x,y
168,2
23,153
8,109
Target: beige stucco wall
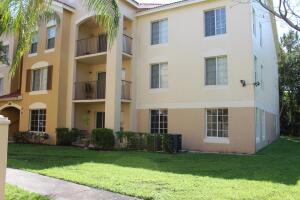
x,y
185,53
3,152
191,123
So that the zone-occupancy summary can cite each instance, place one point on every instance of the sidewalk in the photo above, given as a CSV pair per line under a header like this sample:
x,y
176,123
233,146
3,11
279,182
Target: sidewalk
x,y
57,189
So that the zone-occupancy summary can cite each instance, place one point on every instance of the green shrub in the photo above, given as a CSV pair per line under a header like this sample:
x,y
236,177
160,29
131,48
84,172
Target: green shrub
x,y
154,142
31,137
167,144
103,139
64,137
132,140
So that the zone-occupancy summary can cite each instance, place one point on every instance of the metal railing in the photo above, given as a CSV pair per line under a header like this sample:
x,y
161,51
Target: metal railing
x,y
89,90
126,90
127,44
92,45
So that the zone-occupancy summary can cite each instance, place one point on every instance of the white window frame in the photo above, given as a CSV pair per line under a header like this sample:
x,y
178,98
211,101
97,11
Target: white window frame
x,y
51,24
206,124
159,121
217,82
260,35
41,79
159,75
215,10
30,118
254,21
159,37
37,42
261,76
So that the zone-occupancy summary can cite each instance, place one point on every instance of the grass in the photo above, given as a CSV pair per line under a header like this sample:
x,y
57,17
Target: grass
x,y
15,193
273,173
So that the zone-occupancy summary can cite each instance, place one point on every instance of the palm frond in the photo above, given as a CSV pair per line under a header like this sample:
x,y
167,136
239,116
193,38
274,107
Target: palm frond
x,y
107,16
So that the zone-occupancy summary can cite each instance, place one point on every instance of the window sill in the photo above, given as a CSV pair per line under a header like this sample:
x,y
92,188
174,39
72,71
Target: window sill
x,y
49,50
215,36
158,90
215,140
32,55
159,45
38,92
216,87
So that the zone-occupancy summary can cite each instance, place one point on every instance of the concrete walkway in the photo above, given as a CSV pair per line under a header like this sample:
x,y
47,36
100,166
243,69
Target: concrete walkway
x,y
57,189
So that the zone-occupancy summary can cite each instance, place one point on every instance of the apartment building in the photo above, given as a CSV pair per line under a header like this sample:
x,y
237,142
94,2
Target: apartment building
x,y
206,69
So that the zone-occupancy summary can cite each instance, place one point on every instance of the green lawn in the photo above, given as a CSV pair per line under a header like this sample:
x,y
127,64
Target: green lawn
x,y
273,173
14,193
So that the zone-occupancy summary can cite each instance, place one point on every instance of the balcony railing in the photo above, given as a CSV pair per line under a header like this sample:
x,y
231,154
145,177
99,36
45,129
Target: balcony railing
x,y
92,45
127,44
91,90
126,90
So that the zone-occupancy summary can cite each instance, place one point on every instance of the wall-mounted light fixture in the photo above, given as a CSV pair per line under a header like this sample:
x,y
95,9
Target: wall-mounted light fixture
x,y
244,83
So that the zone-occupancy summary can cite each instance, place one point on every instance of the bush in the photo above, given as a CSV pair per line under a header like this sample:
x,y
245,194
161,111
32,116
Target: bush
x,y
132,140
154,142
31,137
65,137
103,139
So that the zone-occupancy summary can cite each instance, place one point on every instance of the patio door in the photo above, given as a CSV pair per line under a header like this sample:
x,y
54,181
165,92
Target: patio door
x,y
101,85
100,119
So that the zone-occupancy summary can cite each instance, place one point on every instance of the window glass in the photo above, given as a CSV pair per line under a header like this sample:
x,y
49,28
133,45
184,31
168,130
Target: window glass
x,y
159,32
159,75
217,123
216,71
159,121
100,120
39,79
215,22
34,43
38,120
51,32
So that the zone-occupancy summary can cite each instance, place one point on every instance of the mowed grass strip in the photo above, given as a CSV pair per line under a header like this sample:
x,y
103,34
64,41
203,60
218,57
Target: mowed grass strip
x,y
273,173
15,193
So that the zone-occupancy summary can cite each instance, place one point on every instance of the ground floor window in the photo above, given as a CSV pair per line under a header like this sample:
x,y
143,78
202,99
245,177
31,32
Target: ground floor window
x,y
260,126
159,121
100,120
38,120
217,123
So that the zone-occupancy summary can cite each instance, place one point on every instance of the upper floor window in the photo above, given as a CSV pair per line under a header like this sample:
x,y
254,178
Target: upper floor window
x,y
1,86
159,75
51,33
34,43
159,121
38,120
260,35
39,79
254,22
159,32
216,71
217,123
5,53
215,22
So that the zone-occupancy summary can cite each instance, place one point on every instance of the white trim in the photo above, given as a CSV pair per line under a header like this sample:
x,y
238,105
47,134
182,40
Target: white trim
x,y
39,65
167,7
9,104
49,50
89,101
40,92
215,140
32,55
208,104
37,105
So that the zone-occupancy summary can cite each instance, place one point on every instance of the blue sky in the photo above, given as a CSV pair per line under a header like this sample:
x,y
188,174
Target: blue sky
x,y
281,26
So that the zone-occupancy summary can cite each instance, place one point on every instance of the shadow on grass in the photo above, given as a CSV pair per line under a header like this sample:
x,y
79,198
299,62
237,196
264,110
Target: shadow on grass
x,y
279,162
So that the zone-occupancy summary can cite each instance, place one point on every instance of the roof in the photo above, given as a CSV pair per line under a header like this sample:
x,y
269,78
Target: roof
x,y
14,95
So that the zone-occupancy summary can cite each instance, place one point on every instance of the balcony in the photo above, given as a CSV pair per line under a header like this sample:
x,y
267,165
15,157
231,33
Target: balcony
x,y
89,90
92,45
95,90
126,90
127,44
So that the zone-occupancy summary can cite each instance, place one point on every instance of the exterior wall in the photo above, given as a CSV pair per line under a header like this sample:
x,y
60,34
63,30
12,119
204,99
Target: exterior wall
x,y
185,53
191,123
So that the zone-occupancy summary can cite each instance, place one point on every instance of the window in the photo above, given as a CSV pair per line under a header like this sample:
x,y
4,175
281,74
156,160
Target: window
x,y
159,121
215,22
51,33
34,43
5,53
255,70
260,126
39,79
216,71
261,76
159,32
1,86
159,75
260,35
100,120
217,123
38,120
254,21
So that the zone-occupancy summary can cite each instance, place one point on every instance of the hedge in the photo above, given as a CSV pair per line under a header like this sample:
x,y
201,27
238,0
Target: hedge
x,y
103,139
66,137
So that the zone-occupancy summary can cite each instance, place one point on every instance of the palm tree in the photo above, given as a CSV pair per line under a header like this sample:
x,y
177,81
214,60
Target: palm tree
x,y
21,17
